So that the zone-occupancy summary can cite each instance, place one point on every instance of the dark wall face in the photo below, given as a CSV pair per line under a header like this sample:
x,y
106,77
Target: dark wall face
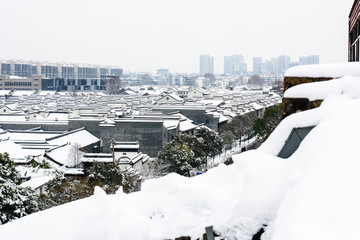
x,y
91,126
148,134
25,126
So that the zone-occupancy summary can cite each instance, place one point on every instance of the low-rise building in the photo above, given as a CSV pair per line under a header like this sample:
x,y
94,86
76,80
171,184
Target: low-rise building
x,y
20,83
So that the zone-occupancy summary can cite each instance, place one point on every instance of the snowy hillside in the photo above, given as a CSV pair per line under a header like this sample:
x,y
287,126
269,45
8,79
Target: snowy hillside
x,y
311,195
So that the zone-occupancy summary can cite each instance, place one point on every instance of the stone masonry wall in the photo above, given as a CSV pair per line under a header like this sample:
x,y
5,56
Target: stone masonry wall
x,y
293,105
148,134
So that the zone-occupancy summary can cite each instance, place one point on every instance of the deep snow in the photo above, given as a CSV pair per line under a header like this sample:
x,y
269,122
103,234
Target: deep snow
x,y
311,195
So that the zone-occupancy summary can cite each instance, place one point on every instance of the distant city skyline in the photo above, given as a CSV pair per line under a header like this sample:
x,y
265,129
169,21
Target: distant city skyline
x,y
234,64
147,35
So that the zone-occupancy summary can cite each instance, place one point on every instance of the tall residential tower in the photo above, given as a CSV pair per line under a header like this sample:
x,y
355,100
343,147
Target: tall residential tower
x,y
206,64
234,64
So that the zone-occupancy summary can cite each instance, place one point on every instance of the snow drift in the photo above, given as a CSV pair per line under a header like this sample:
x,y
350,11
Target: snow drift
x,y
311,195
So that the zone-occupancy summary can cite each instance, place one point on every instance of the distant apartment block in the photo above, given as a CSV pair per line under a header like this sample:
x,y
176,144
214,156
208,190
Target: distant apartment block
x,y
280,64
234,65
354,32
58,76
313,59
162,72
257,65
20,83
206,64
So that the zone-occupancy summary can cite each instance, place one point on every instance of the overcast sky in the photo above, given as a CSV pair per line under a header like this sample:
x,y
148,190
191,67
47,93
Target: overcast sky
x,y
143,35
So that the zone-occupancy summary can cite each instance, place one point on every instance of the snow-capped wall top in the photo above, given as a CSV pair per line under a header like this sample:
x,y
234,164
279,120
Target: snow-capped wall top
x,y
320,90
325,70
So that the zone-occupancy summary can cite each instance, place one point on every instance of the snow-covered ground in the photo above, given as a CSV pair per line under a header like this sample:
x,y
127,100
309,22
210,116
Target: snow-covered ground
x,y
311,195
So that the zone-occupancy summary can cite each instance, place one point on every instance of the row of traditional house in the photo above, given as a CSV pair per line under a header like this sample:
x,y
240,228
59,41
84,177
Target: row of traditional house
x,y
69,130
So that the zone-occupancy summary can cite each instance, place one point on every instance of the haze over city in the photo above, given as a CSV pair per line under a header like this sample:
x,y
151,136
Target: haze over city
x,y
146,35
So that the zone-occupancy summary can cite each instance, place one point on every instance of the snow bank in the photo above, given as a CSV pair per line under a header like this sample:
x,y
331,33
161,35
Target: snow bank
x,y
311,195
325,70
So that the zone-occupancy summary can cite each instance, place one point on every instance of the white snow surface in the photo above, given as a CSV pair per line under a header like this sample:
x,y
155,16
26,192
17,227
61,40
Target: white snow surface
x,y
311,195
82,137
320,90
333,70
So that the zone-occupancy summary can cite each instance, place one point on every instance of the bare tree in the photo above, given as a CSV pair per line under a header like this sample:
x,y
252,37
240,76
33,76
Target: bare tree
x,y
74,155
113,85
256,80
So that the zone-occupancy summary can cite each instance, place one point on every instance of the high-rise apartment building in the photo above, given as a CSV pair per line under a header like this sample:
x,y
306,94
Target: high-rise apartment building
x,y
283,63
228,65
18,68
162,72
234,65
68,72
5,68
313,59
206,64
305,60
49,71
257,65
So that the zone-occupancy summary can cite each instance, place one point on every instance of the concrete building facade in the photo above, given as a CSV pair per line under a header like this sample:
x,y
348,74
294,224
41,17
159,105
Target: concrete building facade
x,y
354,32
20,83
61,76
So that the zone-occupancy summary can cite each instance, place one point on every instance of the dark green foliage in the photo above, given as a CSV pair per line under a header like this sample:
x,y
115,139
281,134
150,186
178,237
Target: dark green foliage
x,y
61,191
185,152
15,201
131,182
7,169
105,175
211,142
182,154
228,138
240,126
263,127
43,164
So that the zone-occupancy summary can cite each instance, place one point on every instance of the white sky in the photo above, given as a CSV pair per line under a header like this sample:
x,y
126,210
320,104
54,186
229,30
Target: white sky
x,y
143,35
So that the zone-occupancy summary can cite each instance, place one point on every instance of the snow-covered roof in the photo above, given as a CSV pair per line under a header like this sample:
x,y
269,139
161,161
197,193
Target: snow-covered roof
x,y
37,181
257,106
80,136
97,157
65,155
14,150
222,118
186,125
4,92
39,136
211,102
171,123
127,145
138,157
16,77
